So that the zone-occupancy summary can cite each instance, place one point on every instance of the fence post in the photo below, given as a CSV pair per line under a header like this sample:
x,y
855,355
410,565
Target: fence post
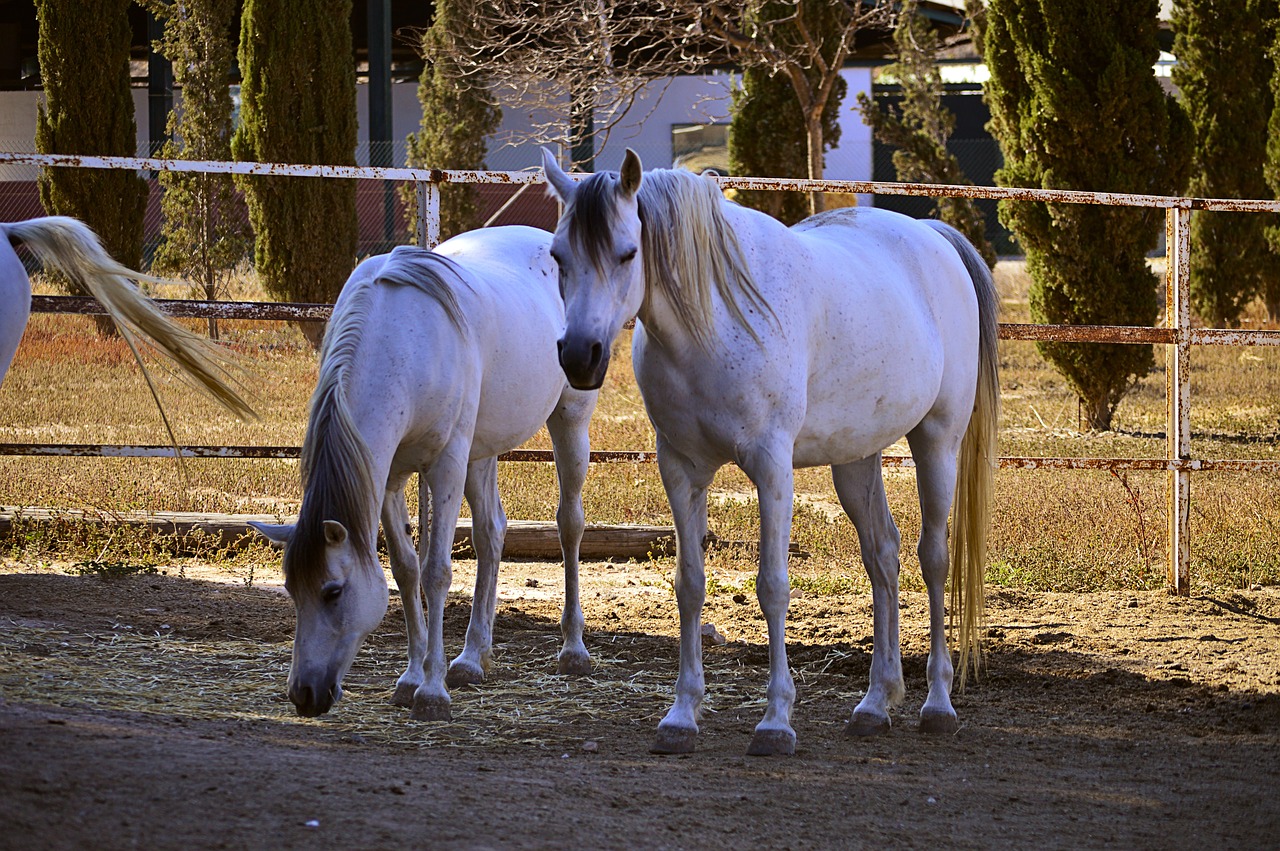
x,y
428,219
1178,395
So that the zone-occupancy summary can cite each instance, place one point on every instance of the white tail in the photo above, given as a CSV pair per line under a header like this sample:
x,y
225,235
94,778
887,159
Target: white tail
x,y
74,249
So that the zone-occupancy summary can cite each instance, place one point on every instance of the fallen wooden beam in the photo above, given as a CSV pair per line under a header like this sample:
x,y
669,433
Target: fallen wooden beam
x,y
192,529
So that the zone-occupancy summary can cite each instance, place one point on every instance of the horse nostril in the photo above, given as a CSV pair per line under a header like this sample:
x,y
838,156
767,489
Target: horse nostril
x,y
597,352
560,347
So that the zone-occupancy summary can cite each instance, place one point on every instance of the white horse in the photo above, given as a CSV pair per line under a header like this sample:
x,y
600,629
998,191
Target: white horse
x,y
434,363
776,348
73,248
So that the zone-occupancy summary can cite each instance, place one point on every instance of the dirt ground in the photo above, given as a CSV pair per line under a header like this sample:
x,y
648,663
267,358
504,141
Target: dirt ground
x,y
148,711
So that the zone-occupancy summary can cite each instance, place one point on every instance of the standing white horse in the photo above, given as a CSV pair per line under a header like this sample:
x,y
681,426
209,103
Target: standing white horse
x,y
433,363
775,348
73,248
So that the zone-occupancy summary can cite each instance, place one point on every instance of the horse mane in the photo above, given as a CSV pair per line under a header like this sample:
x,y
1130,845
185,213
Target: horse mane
x,y
337,466
433,274
688,245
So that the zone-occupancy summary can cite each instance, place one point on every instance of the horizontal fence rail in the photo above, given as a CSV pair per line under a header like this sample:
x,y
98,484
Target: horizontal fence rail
x,y
1177,336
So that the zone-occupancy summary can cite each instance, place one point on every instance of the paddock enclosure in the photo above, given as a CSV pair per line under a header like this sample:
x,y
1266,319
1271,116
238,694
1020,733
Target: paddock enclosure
x,y
142,696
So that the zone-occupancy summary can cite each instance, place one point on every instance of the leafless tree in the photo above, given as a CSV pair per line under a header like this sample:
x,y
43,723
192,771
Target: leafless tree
x,y
573,59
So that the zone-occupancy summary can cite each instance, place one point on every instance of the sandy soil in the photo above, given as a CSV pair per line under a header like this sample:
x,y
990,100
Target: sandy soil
x,y
148,711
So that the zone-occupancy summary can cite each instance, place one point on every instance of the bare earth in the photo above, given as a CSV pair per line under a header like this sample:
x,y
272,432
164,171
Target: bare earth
x,y
148,711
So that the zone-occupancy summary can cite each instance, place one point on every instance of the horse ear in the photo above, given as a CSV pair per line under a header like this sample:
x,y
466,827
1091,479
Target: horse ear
x,y
561,184
335,534
277,533
632,173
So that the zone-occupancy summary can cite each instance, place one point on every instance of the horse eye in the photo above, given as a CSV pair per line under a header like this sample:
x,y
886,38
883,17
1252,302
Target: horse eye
x,y
628,257
330,593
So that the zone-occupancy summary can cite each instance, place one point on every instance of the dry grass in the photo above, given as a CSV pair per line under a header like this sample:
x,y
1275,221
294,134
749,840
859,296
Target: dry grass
x,y
1051,530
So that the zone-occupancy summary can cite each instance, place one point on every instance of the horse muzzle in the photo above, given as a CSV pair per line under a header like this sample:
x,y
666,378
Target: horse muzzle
x,y
584,362
312,701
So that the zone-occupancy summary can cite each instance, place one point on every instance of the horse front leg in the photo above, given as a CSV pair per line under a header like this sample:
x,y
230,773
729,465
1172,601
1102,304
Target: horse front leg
x,y
770,469
860,486
445,480
407,571
488,534
686,486
567,426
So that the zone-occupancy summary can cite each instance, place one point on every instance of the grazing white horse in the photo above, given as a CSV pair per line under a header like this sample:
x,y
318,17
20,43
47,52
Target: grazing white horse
x,y
776,348
434,362
71,247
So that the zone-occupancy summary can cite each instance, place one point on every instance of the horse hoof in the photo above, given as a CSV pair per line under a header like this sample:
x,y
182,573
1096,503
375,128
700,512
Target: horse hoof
x,y
431,709
574,664
463,674
866,724
772,743
404,694
674,740
939,723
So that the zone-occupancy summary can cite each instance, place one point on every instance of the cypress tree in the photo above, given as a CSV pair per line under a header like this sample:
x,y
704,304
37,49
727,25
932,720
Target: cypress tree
x,y
767,135
204,231
1222,54
298,105
920,129
458,113
1271,289
1075,105
88,109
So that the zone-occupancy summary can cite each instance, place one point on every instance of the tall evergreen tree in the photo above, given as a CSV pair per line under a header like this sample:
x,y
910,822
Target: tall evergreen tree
x,y
1075,105
88,109
1271,289
920,128
298,105
204,234
1222,54
458,113
767,130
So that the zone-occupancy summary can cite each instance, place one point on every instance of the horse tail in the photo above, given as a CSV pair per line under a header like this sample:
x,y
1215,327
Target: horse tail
x,y
72,248
975,480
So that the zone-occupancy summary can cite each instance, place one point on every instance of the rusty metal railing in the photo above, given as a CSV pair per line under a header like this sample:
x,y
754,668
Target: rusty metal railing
x,y
1177,335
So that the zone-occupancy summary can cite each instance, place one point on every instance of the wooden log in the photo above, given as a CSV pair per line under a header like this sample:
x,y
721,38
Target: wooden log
x,y
525,539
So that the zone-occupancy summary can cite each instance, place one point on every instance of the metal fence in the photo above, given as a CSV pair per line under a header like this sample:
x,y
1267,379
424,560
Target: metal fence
x,y
1177,335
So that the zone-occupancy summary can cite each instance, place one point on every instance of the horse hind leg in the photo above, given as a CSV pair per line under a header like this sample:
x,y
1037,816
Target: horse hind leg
x,y
488,531
568,428
407,571
936,482
860,487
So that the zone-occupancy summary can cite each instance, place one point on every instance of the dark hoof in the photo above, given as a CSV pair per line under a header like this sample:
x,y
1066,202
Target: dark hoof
x,y
866,724
463,675
574,664
674,740
939,723
431,709
772,743
404,694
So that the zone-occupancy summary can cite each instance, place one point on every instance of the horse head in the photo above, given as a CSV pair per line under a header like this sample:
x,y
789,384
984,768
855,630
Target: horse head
x,y
597,246
340,596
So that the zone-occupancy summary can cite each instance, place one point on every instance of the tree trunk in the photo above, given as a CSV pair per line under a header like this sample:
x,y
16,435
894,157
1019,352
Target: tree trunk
x,y
813,132
1097,414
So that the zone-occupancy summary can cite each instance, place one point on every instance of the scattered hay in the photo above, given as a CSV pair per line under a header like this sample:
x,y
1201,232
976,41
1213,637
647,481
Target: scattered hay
x,y
522,703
